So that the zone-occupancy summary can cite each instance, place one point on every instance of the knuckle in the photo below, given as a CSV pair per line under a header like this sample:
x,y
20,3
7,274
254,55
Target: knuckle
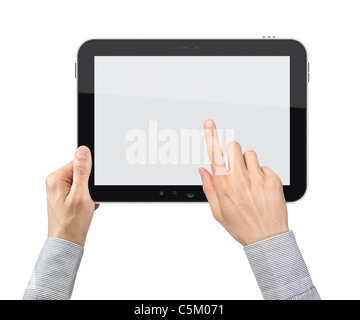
x,y
79,199
50,181
250,154
274,181
218,157
81,168
232,145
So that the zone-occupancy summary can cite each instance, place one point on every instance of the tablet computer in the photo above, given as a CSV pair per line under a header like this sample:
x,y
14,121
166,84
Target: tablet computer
x,y
142,105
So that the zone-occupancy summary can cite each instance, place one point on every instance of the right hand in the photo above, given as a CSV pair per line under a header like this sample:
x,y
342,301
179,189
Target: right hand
x,y
247,200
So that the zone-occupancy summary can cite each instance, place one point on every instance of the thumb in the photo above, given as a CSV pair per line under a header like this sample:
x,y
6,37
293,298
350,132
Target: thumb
x,y
82,168
210,193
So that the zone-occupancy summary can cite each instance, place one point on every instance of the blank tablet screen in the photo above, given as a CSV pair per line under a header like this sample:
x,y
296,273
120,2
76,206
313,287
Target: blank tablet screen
x,y
150,110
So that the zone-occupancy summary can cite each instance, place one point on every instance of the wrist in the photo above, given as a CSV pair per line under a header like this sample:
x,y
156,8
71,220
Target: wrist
x,y
272,234
68,236
257,237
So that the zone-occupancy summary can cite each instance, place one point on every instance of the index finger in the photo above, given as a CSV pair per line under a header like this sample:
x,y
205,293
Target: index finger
x,y
59,182
215,153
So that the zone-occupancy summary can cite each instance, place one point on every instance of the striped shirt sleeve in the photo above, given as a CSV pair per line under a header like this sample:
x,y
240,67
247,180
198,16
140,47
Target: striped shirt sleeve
x,y
55,271
280,269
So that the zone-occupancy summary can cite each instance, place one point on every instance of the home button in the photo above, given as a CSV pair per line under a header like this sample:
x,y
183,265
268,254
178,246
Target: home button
x,y
190,194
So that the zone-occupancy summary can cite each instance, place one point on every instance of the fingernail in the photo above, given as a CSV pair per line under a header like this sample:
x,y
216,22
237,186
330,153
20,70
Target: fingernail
x,y
209,123
201,173
83,152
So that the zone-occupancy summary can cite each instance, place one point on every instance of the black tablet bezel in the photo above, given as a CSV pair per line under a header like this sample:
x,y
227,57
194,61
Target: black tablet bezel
x,y
194,47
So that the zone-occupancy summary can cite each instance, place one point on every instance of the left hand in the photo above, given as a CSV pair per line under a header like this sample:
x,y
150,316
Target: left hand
x,y
70,207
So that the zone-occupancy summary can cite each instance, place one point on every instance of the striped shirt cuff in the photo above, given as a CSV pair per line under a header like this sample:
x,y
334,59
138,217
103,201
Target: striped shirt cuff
x,y
280,269
55,271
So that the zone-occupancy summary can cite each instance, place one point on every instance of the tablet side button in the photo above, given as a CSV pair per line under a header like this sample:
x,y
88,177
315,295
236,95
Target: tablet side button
x,y
308,72
75,70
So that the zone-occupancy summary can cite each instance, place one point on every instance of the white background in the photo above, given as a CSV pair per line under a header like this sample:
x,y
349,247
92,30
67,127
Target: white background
x,y
173,251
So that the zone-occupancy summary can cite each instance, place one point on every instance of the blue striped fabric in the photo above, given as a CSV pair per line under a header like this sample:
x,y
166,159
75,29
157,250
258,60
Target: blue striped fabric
x,y
55,271
280,270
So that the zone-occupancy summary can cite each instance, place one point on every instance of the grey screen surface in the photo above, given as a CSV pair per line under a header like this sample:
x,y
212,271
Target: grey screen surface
x,y
149,112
